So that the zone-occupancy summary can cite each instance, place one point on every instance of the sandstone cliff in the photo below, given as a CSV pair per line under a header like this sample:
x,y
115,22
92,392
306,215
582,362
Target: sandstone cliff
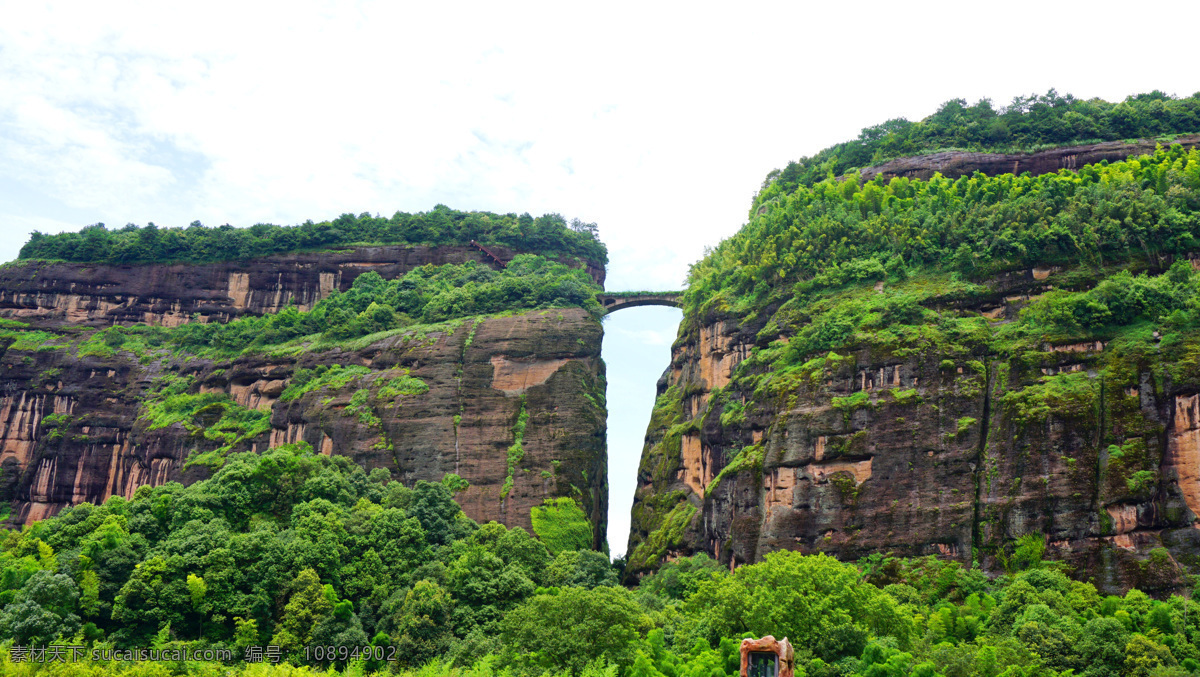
x,y
83,425
917,451
948,433
56,294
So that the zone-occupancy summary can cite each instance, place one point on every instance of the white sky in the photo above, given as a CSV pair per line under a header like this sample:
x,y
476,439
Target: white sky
x,y
658,121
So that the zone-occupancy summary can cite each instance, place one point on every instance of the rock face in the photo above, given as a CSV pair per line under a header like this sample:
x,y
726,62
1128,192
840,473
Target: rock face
x,y
954,164
57,294
924,450
75,429
955,449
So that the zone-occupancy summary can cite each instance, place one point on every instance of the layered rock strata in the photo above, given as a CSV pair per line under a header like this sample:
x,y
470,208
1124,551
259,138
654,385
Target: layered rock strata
x,y
954,450
56,294
77,426
926,450
953,164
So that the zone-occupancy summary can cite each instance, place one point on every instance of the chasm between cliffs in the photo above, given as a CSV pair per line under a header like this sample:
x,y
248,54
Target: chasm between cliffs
x,y
636,350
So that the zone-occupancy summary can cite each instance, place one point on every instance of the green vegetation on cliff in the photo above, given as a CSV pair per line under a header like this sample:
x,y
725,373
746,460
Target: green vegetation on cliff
x,y
425,296
887,264
550,235
841,232
1027,123
216,417
1069,363
1034,311
562,525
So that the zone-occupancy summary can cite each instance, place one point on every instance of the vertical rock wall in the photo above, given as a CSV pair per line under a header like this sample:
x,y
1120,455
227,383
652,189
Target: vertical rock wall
x,y
924,449
74,428
57,294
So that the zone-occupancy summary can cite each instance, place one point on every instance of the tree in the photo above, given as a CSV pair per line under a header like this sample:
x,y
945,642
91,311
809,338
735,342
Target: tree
x,y
434,507
570,629
680,578
43,610
589,229
484,587
423,624
307,606
197,589
514,547
1143,655
1102,647
581,568
796,596
152,598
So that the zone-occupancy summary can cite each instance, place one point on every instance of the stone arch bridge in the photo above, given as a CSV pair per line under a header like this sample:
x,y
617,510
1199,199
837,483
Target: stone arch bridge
x,y
628,299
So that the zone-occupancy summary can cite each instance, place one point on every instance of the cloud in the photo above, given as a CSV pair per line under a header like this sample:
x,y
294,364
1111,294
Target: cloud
x,y
657,122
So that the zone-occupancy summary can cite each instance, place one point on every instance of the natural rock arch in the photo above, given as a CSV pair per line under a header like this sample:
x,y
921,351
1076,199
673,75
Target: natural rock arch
x,y
620,300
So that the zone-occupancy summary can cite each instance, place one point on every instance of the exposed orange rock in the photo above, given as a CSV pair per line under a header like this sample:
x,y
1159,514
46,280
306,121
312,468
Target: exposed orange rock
x,y
957,471
515,377
1089,346
718,356
697,471
259,394
777,488
861,470
948,549
239,290
953,164
1123,541
54,294
1183,450
293,433
1124,517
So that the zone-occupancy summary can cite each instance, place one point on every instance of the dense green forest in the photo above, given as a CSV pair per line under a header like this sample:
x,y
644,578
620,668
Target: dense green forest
x,y
1024,125
550,235
294,549
838,232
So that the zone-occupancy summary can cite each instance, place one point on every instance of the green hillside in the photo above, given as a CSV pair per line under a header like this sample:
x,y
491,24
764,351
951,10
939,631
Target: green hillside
x,y
1028,123
843,232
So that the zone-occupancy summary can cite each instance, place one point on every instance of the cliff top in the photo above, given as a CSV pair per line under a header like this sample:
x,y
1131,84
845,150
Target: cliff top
x,y
1027,124
835,233
548,235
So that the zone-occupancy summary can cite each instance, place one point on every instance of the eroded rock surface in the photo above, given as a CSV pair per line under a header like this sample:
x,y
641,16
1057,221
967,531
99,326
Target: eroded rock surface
x,y
953,164
921,450
56,294
74,428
